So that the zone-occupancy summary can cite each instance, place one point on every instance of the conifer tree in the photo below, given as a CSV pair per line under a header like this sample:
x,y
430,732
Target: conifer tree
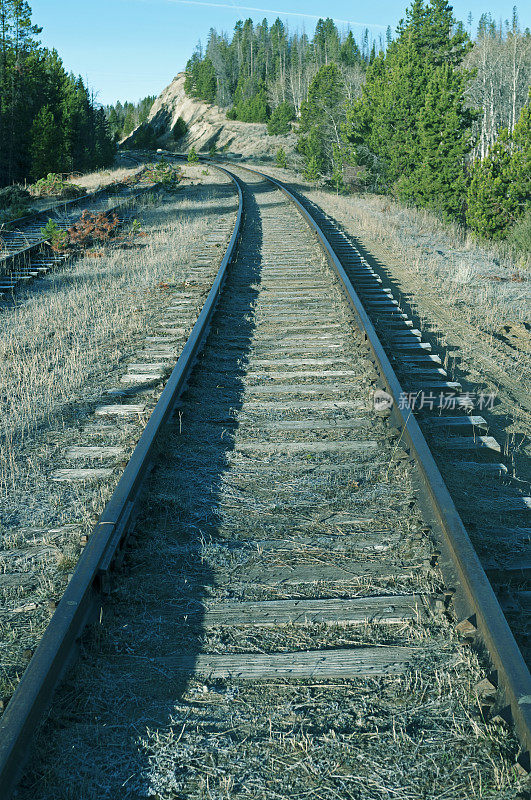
x,y
280,120
46,144
322,115
48,121
439,181
401,123
500,188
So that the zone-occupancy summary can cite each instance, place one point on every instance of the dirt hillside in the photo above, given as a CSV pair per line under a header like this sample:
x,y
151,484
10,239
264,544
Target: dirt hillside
x,y
207,126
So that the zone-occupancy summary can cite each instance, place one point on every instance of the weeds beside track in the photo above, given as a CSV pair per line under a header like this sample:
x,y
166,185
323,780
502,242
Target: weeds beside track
x,y
343,523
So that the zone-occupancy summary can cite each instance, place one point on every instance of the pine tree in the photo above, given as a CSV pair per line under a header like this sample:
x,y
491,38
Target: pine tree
x,y
401,124
280,120
349,54
46,143
500,188
439,181
322,115
312,171
281,159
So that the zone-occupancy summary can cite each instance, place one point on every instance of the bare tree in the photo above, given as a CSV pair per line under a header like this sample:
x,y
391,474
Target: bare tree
x,y
501,59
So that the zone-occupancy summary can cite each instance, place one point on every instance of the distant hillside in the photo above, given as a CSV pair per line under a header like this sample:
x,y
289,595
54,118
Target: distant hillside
x,y
207,127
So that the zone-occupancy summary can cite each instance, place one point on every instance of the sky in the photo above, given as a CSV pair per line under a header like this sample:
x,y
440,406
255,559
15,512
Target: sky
x,y
128,49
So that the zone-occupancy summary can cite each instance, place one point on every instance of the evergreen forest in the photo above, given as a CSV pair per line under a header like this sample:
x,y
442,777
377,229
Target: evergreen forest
x,y
124,118
434,114
49,119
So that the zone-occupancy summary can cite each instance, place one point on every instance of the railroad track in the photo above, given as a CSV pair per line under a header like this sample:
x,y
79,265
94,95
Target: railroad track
x,y
284,539
25,254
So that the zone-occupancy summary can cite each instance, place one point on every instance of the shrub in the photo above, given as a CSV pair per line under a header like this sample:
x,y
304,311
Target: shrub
x,y
232,113
54,185
281,159
279,122
179,129
14,202
519,235
192,156
53,234
163,174
92,229
498,195
312,172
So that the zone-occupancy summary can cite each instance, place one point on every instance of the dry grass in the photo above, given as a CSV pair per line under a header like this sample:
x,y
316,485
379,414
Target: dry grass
x,y
488,282
70,331
73,329
127,725
63,345
96,180
486,279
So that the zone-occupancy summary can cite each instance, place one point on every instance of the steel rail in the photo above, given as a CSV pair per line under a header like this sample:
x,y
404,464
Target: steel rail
x,y
479,605
81,597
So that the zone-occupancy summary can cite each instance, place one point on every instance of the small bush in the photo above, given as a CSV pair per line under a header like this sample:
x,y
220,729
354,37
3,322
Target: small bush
x,y
179,129
163,174
53,234
232,113
281,159
519,235
192,156
312,172
14,202
54,185
92,229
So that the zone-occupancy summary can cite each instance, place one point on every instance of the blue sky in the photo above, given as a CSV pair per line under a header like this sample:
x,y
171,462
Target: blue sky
x,y
127,49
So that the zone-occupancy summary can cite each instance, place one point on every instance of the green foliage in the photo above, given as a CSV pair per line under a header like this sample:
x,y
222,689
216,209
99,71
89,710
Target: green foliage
x,y
349,53
411,124
123,119
232,71
48,118
163,175
519,236
250,102
179,129
280,119
145,137
439,180
14,202
46,144
312,171
53,234
200,79
281,159
326,42
322,117
192,156
500,187
54,185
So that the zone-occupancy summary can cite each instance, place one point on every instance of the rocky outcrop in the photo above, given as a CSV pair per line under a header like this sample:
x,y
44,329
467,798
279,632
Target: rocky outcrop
x,y
207,127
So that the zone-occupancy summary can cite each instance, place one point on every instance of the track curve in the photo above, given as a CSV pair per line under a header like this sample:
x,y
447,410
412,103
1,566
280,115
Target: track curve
x,y
287,377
